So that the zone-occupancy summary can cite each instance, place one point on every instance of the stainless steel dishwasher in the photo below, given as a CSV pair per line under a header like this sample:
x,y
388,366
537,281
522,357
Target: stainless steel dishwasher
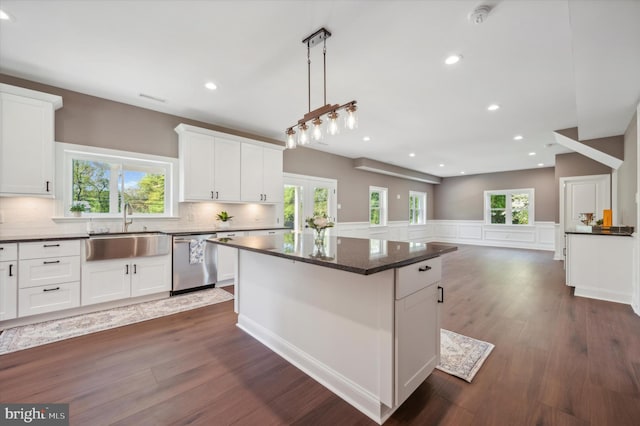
x,y
194,263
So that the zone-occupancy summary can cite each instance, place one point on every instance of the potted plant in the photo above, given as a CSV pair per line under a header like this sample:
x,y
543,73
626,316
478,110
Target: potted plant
x,y
224,218
77,208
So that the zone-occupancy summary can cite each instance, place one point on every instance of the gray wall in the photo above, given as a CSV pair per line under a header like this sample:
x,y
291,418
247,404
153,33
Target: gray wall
x,y
574,164
462,197
88,120
353,184
627,177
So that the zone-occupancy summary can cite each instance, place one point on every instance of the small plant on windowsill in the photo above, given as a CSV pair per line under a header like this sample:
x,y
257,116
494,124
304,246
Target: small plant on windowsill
x,y
77,208
224,218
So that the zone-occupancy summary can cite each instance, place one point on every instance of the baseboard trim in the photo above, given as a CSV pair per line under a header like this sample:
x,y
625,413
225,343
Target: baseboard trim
x,y
596,293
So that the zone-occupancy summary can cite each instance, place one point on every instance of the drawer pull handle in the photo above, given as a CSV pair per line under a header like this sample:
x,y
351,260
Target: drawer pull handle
x,y
1,248
51,289
51,245
440,294
51,262
424,269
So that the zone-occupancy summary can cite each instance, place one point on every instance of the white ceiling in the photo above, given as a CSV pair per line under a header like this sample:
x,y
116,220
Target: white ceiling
x,y
549,64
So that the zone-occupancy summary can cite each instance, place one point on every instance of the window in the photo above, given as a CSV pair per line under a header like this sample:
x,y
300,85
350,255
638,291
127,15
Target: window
x,y
105,180
509,207
377,206
417,208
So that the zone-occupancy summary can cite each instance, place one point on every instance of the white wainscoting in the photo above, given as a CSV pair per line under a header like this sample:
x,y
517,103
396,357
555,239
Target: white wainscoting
x,y
540,236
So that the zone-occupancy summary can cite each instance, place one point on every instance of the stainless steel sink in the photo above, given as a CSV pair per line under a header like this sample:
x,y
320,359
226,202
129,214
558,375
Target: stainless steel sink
x,y
124,245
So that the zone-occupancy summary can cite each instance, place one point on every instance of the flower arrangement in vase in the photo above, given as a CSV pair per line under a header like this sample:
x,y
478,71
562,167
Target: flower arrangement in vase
x,y
224,219
319,224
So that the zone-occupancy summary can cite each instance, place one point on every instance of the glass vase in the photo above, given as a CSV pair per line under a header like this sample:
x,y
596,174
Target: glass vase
x,y
318,237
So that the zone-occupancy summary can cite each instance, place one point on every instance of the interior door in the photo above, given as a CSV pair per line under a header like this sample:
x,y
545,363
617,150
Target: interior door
x,y
307,196
585,194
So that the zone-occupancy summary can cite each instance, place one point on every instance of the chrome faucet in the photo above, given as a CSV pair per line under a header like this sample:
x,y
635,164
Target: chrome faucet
x,y
126,209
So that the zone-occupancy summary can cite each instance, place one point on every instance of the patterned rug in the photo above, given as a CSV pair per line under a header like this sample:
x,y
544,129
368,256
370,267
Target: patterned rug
x,y
28,336
462,356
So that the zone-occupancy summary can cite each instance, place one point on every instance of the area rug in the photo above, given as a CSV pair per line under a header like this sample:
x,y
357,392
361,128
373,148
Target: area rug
x,y
462,356
28,336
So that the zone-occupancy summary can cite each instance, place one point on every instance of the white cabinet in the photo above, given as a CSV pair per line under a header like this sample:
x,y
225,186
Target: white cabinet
x,y
8,281
227,257
209,165
600,266
417,325
268,232
107,280
27,141
261,179
49,278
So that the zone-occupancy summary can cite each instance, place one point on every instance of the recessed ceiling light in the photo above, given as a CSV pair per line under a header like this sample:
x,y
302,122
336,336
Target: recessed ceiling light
x,y
540,164
441,165
4,16
413,154
462,172
366,139
517,138
532,154
453,59
493,107
211,86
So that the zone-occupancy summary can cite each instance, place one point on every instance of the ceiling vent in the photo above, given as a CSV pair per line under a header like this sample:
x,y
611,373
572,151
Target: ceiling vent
x,y
480,14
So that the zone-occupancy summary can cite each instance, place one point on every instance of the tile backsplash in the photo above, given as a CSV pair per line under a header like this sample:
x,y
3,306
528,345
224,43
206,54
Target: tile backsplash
x,y
31,215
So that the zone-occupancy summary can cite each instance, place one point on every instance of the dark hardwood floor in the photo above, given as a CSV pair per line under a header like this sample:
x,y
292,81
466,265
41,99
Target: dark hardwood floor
x,y
558,360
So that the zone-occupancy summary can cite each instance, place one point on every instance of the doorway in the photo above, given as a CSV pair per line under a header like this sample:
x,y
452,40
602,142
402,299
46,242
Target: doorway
x,y
307,196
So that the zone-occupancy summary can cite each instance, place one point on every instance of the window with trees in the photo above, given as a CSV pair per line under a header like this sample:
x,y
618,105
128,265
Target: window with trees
x,y
509,207
105,180
377,206
417,208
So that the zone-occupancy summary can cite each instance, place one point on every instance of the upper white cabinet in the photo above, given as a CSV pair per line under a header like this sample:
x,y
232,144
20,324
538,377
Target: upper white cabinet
x,y
209,165
261,174
27,141
216,166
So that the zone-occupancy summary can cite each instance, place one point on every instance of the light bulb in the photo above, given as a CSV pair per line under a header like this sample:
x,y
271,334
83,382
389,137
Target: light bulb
x,y
317,129
303,137
333,127
351,120
291,140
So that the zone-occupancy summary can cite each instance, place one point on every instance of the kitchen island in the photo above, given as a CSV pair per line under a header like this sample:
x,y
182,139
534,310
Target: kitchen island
x,y
360,316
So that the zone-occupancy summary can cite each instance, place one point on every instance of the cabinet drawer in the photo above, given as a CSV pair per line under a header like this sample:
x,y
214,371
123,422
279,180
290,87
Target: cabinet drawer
x,y
229,234
51,270
38,300
412,278
8,252
49,249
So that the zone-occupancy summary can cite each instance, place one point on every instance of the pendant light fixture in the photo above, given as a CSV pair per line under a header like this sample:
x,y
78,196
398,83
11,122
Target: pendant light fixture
x,y
327,114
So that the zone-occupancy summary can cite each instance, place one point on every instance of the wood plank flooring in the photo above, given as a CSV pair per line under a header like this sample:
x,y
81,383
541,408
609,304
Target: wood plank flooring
x,y
558,360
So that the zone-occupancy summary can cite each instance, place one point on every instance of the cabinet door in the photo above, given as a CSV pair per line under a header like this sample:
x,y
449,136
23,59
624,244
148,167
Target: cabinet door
x,y
196,158
150,275
272,176
417,339
107,280
252,167
8,290
227,170
226,264
26,146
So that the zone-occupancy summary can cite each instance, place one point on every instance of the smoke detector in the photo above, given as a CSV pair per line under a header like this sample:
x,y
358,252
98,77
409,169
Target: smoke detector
x,y
480,14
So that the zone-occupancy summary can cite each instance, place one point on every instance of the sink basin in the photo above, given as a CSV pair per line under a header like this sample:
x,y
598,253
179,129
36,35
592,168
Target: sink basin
x,y
124,245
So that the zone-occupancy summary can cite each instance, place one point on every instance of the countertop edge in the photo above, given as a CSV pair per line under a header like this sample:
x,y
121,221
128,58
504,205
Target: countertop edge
x,y
608,234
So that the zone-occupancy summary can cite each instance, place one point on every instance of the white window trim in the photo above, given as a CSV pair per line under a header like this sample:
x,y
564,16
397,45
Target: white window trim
x,y
66,151
508,193
423,209
383,206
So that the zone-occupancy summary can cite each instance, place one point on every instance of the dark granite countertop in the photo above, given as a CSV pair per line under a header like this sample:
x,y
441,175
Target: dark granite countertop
x,y
616,231
48,237
214,230
357,255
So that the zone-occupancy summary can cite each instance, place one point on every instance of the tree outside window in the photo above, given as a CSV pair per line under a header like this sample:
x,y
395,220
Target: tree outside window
x,y
417,208
377,206
510,207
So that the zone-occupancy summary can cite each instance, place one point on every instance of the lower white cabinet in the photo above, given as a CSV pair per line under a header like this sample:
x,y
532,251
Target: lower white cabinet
x,y
107,280
417,325
48,298
227,257
8,281
50,270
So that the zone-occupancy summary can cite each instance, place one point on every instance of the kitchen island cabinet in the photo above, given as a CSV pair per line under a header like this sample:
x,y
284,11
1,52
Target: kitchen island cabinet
x,y
360,316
